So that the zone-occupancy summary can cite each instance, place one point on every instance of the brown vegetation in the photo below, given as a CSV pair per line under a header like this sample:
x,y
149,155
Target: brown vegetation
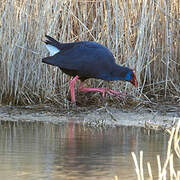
x,y
144,35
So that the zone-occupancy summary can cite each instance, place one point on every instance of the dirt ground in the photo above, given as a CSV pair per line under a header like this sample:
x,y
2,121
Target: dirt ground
x,y
94,116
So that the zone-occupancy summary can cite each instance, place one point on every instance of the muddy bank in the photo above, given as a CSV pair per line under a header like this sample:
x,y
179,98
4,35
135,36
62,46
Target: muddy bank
x,y
103,116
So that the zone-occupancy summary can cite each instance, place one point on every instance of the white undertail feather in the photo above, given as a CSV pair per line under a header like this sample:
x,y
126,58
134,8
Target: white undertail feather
x,y
52,49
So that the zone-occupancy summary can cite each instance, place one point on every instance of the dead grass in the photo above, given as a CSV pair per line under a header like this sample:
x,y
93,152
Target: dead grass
x,y
143,35
166,169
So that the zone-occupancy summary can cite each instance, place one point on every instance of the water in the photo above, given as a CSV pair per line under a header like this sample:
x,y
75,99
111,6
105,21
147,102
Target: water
x,y
36,150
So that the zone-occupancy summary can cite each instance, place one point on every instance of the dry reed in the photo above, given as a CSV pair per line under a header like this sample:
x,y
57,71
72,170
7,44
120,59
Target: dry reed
x,y
144,35
164,172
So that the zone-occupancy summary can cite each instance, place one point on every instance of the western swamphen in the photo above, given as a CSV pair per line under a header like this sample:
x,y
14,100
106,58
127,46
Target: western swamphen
x,y
87,59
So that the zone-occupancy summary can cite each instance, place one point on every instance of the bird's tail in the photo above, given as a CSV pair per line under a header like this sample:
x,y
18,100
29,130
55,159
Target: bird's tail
x,y
51,41
52,45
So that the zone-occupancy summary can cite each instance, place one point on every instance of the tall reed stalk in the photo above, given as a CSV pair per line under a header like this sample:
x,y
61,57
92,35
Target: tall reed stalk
x,y
144,35
166,169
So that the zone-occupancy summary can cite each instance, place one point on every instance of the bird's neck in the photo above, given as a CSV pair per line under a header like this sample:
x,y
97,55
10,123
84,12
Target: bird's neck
x,y
117,73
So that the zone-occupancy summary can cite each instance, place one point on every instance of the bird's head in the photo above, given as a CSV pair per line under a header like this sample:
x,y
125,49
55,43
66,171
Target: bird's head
x,y
133,79
120,73
130,76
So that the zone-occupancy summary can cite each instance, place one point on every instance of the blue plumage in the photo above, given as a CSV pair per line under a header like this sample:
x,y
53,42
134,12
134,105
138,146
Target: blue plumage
x,y
87,59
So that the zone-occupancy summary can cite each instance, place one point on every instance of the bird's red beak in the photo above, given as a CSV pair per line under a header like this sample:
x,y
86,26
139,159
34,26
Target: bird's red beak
x,y
134,80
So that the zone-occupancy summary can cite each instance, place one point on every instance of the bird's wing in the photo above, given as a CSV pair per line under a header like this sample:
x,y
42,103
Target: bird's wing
x,y
73,58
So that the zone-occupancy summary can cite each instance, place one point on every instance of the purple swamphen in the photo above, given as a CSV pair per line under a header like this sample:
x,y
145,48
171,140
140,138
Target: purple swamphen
x,y
87,59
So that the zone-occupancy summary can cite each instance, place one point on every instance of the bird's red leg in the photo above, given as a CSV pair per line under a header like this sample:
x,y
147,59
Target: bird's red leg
x,y
102,90
83,89
72,82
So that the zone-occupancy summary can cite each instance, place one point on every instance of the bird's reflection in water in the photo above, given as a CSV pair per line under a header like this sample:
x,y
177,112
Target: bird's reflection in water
x,y
71,150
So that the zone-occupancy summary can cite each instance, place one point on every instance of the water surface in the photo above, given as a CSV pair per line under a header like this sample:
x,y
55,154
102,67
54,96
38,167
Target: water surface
x,y
65,151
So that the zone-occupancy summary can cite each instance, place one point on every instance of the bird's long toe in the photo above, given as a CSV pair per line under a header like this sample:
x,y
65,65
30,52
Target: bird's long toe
x,y
115,93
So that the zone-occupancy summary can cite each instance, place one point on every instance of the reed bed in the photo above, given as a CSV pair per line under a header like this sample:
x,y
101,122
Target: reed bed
x,y
144,35
166,169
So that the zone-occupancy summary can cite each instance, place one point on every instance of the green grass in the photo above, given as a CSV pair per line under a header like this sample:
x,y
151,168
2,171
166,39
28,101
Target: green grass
x,y
142,34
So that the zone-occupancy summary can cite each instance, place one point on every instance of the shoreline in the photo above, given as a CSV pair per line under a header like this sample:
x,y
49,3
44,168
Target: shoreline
x,y
99,117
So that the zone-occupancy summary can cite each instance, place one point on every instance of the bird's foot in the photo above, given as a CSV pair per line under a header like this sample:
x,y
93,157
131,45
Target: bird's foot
x,y
115,93
103,91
